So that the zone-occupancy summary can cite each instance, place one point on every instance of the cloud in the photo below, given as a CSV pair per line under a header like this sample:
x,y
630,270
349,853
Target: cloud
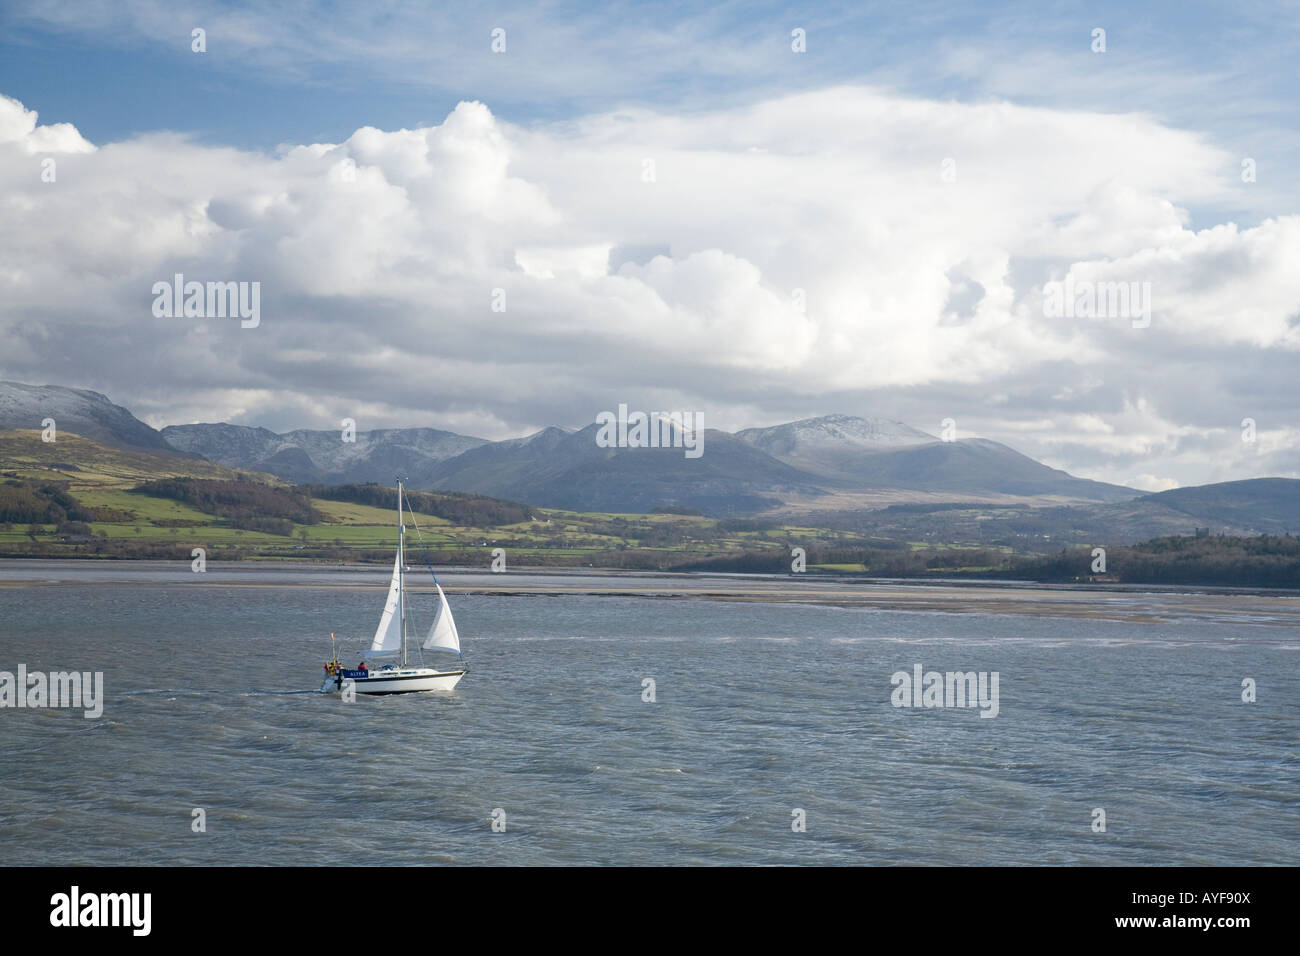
x,y
807,253
18,129
1152,483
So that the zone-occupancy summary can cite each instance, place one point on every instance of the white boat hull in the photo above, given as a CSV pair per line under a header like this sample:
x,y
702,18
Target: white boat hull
x,y
406,680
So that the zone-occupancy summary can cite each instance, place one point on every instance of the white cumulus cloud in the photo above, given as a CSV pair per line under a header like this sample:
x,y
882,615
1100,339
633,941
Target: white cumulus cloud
x,y
841,250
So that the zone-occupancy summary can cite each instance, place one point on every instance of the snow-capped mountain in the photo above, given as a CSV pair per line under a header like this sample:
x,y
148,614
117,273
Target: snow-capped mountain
x,y
76,411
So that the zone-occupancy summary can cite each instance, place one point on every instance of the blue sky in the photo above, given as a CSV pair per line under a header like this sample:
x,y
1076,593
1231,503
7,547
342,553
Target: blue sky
x,y
115,70
777,170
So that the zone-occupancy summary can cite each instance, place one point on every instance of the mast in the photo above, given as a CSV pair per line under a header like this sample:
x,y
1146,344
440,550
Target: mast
x,y
401,596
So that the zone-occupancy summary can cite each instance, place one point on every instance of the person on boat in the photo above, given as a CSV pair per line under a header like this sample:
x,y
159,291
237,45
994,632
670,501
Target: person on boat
x,y
362,666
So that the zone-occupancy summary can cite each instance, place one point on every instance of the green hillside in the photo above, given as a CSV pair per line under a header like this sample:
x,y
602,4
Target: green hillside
x,y
78,498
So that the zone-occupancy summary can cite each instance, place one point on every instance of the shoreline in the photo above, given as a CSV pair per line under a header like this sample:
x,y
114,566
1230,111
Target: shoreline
x,y
1132,604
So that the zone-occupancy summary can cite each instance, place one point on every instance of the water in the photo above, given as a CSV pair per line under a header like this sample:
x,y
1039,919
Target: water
x,y
761,708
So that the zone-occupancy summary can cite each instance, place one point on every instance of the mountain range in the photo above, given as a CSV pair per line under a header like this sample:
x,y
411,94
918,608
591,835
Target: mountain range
x,y
79,411
835,462
322,456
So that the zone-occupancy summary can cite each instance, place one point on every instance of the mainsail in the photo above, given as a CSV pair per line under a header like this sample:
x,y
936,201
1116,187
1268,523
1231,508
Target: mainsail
x,y
443,632
388,639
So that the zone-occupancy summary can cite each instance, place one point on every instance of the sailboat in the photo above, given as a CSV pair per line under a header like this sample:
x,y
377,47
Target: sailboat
x,y
392,676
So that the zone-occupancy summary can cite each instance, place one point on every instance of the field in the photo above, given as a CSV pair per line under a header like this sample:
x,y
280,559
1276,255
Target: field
x,y
99,477
81,499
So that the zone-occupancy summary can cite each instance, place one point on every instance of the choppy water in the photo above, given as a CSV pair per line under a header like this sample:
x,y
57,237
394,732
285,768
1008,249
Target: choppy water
x,y
761,708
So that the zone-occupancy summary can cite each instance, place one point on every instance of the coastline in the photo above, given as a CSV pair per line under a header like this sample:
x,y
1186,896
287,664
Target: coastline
x,y
1135,604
